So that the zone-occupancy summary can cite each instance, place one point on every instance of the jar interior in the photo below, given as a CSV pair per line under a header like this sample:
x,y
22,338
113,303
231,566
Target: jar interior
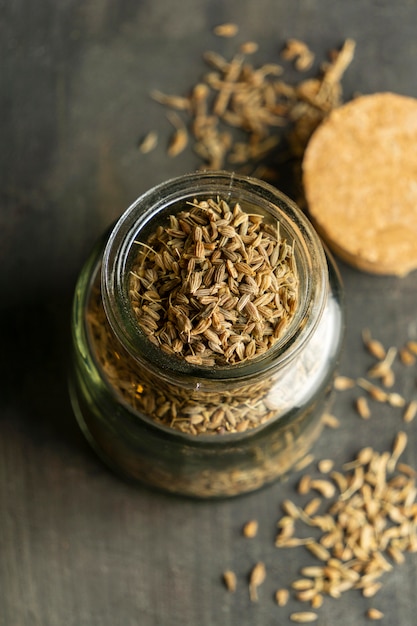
x,y
154,209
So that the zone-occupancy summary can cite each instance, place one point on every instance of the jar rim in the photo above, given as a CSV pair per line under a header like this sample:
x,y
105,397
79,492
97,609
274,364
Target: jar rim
x,y
230,187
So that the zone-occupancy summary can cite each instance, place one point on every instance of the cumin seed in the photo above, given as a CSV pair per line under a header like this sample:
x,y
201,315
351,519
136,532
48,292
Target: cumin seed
x,y
257,577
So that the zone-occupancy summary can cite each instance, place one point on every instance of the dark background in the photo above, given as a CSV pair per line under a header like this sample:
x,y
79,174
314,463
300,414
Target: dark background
x,y
78,547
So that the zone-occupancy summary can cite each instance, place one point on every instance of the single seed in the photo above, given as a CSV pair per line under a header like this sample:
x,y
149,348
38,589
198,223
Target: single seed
x,y
313,571
304,617
362,408
395,399
407,357
291,509
149,142
179,139
374,614
325,466
410,411
343,382
229,579
400,444
304,462
249,47
412,346
282,596
256,579
373,346
250,529
317,601
371,590
302,584
226,30
388,379
293,542
312,506
407,470
330,421
318,551
325,487
304,484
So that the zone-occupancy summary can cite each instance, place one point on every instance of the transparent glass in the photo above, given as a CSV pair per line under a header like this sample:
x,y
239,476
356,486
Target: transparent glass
x,y
121,384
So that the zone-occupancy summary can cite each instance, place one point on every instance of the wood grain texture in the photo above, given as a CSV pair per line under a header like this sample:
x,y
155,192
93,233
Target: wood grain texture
x,y
78,546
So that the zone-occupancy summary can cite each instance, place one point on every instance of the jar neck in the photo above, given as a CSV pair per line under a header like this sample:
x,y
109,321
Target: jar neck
x,y
137,223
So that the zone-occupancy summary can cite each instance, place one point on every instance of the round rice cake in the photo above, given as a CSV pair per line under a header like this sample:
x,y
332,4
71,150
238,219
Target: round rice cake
x,y
360,182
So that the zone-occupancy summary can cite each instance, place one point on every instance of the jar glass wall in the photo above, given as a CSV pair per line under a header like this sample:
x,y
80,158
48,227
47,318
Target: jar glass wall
x,y
181,426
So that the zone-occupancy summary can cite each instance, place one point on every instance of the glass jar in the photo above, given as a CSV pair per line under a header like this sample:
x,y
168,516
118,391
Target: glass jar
x,y
174,425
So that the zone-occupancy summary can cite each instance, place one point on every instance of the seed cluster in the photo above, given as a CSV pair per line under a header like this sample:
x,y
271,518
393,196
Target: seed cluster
x,y
235,98
372,522
368,524
217,286
198,411
359,521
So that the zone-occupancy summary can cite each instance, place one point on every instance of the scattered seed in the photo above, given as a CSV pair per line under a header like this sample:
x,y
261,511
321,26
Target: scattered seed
x,y
312,507
374,614
304,617
318,551
302,584
382,369
400,444
304,484
330,421
226,30
249,47
282,597
410,411
412,346
259,104
325,466
373,346
396,399
250,529
316,601
376,393
149,142
362,408
314,571
343,382
257,577
407,357
297,51
229,579
325,487
179,139
291,509
371,589
388,379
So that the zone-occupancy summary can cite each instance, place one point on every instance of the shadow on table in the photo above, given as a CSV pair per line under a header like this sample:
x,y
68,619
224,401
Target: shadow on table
x,y
34,364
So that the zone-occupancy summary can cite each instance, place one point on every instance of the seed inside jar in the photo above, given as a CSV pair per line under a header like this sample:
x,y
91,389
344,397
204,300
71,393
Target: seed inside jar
x,y
216,285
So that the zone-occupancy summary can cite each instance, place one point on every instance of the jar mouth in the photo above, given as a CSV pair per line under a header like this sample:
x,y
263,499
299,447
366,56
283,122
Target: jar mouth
x,y
137,223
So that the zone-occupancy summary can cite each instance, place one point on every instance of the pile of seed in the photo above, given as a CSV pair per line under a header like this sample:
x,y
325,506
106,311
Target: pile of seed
x,y
371,523
216,286
358,522
238,114
368,523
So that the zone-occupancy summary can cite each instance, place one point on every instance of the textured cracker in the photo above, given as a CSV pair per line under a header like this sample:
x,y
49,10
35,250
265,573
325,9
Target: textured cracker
x,y
360,182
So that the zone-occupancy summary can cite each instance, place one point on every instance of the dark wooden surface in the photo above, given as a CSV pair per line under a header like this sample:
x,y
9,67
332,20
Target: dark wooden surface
x,y
78,547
